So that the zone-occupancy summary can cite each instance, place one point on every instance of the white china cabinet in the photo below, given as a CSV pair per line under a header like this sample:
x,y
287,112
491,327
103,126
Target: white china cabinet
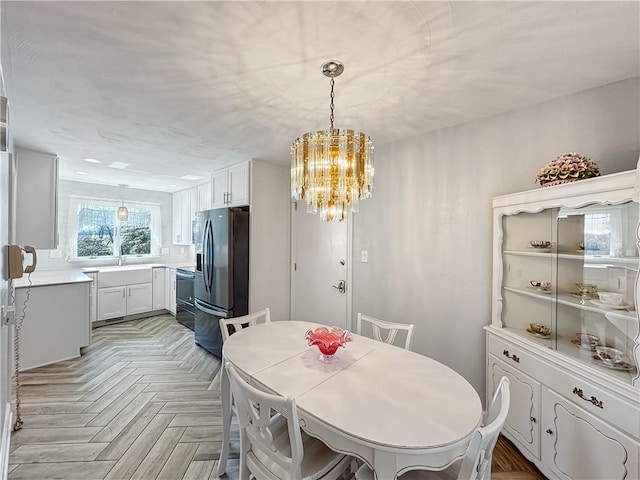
x,y
573,414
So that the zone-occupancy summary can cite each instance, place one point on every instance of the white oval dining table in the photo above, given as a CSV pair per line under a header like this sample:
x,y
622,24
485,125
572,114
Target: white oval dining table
x,y
393,408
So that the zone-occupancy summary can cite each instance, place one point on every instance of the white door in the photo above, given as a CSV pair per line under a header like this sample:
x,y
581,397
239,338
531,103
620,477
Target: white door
x,y
112,302
320,262
139,298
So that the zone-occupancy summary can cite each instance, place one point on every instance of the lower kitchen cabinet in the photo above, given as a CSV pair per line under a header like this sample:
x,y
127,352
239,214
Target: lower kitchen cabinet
x,y
171,290
159,287
577,445
116,302
93,296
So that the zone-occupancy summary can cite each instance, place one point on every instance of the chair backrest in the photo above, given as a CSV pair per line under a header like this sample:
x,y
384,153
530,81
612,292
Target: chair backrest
x,y
239,323
390,329
261,436
477,460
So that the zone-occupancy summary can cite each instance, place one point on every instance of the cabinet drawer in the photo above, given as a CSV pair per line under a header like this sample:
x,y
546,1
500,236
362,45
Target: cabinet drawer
x,y
515,356
594,399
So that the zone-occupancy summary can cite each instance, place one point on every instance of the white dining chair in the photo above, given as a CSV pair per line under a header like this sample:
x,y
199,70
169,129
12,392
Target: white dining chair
x,y
476,463
274,446
390,329
238,323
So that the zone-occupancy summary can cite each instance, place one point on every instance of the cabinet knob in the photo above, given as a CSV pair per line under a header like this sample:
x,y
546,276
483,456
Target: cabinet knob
x,y
533,419
549,431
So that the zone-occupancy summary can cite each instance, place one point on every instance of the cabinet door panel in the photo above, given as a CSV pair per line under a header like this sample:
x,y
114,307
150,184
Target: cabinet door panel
x,y
159,295
112,302
204,197
139,298
523,421
239,185
577,445
219,188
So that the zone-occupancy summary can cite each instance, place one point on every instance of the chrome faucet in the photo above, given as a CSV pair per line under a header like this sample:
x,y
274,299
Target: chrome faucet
x,y
120,257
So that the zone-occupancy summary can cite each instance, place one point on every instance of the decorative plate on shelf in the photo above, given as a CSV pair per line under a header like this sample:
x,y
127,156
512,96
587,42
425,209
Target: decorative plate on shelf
x,y
539,290
536,334
624,366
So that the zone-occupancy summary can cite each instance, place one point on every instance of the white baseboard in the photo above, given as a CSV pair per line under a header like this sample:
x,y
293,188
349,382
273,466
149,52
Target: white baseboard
x,y
5,441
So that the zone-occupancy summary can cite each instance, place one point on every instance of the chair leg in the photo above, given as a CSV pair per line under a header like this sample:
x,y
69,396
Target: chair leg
x,y
225,390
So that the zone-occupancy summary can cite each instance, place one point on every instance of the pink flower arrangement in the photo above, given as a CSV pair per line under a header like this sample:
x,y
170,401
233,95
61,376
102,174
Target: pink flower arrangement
x,y
566,168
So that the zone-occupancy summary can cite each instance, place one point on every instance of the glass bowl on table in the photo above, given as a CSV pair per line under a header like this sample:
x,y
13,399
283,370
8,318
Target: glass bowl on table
x,y
328,341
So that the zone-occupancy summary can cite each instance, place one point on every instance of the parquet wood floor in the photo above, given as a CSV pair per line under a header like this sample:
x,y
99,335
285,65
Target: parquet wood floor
x,y
143,403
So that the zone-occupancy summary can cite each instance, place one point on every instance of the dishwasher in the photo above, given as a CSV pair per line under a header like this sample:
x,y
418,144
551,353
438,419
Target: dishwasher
x,y
185,306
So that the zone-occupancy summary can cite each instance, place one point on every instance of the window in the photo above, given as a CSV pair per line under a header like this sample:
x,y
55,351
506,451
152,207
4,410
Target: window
x,y
96,232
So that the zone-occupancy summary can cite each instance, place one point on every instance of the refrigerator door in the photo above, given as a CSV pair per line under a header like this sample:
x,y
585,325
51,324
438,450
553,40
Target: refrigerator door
x,y
213,269
207,328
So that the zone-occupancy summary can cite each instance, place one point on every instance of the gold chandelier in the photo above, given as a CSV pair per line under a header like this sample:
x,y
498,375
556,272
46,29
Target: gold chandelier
x,y
332,169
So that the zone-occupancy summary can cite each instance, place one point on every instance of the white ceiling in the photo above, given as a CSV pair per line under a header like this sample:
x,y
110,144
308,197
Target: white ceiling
x,y
183,88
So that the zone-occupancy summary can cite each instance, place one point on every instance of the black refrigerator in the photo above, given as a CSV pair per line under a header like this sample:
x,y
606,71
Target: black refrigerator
x,y
222,272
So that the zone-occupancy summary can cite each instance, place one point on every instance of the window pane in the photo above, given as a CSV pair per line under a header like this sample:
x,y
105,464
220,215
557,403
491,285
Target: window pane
x,y
96,228
135,234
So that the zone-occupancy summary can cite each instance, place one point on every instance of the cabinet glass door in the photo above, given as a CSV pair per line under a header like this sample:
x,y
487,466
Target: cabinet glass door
x,y
596,273
568,282
528,278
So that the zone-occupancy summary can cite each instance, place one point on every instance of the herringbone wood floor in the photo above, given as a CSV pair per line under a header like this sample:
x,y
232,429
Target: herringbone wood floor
x,y
142,402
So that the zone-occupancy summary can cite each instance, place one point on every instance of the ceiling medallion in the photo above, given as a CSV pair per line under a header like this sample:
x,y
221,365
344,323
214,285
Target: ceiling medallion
x,y
332,169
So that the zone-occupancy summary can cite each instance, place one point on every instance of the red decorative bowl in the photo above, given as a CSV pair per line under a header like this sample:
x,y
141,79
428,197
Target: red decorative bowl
x,y
327,340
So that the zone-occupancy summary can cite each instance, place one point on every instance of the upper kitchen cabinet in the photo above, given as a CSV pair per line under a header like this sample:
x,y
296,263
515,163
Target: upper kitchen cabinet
x,y
35,199
230,186
185,205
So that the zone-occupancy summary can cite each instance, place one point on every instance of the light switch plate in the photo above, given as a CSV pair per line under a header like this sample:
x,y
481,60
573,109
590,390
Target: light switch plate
x,y
55,253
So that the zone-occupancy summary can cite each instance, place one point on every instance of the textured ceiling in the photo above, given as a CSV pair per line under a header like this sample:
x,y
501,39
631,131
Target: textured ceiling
x,y
183,88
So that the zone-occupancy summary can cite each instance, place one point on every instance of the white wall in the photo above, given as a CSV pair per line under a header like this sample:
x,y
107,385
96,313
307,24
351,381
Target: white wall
x,y
68,187
427,227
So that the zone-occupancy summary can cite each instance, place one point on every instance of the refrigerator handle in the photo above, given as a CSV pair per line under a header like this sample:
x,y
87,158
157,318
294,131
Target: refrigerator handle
x,y
211,247
212,311
205,255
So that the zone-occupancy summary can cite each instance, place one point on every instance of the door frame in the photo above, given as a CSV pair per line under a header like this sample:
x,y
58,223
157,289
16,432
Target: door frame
x,y
349,270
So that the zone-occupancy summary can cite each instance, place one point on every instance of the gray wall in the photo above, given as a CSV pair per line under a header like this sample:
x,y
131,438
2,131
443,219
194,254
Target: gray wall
x,y
427,227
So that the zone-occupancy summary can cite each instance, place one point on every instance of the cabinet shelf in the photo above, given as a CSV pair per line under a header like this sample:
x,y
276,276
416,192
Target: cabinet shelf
x,y
570,300
591,259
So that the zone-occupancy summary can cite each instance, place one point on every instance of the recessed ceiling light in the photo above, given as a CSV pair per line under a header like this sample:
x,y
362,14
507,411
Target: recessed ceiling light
x,y
191,177
118,165
82,173
171,185
92,160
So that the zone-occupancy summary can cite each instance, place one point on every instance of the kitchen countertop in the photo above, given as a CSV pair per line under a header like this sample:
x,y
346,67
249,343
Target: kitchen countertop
x,y
43,278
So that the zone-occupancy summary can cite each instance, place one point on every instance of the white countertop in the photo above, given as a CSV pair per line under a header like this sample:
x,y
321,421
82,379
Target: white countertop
x,y
51,277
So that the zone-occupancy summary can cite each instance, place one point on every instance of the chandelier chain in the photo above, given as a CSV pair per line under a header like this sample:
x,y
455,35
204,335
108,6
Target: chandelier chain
x,y
332,96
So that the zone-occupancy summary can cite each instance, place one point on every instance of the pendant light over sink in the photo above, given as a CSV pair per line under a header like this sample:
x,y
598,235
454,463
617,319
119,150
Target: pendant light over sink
x,y
332,169
123,212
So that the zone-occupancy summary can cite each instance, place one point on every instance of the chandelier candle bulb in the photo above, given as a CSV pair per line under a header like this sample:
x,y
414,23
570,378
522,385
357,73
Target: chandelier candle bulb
x,y
332,169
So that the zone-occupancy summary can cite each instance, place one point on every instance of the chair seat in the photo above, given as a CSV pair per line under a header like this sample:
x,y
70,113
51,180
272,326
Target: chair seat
x,y
318,460
451,473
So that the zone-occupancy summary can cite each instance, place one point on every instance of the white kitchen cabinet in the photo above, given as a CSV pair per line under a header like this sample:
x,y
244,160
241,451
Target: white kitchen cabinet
x,y
185,205
139,298
116,302
171,290
35,181
181,218
231,186
204,196
577,445
112,302
573,415
159,287
93,296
